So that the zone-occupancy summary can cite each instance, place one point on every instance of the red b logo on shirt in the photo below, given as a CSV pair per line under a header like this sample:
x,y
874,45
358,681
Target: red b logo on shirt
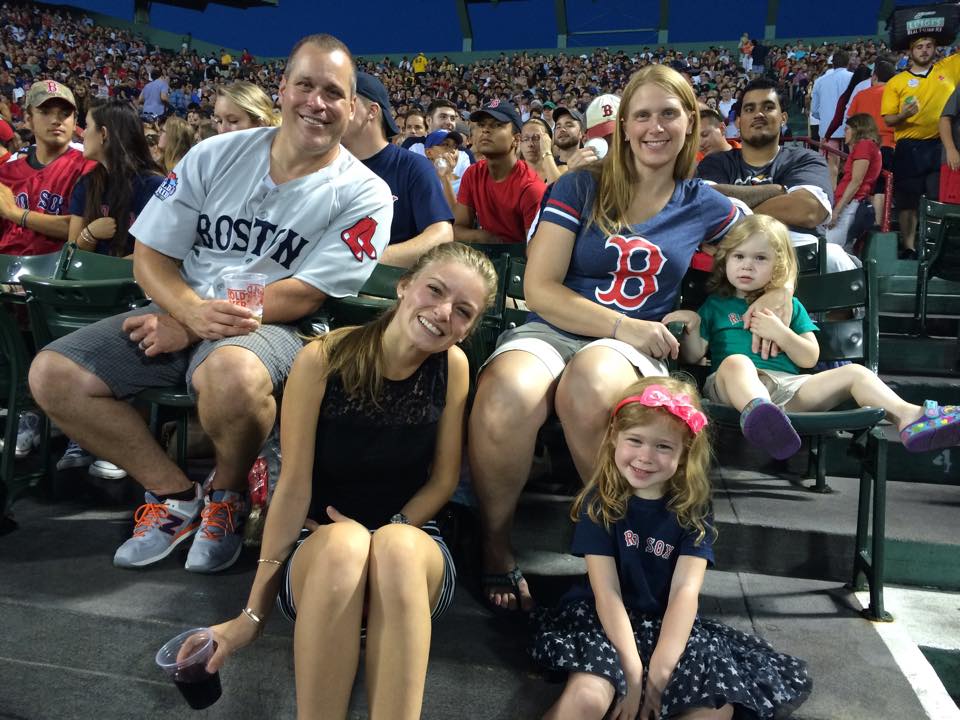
x,y
645,276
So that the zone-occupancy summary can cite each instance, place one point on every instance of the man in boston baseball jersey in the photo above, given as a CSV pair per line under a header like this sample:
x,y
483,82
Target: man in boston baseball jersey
x,y
288,202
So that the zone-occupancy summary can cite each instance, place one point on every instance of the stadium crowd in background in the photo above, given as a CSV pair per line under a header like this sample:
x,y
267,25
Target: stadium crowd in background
x,y
386,161
99,61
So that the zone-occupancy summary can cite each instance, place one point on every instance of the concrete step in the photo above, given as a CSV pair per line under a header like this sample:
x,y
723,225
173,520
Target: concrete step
x,y
774,525
80,636
902,354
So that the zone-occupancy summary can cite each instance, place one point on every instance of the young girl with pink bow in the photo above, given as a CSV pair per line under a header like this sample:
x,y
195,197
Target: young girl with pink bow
x,y
631,635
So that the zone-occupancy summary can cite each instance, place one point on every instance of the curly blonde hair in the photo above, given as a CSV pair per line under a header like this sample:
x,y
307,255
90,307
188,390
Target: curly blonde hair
x,y
784,256
688,491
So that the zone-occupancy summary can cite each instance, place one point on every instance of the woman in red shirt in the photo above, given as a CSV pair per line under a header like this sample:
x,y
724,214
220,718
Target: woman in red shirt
x,y
860,174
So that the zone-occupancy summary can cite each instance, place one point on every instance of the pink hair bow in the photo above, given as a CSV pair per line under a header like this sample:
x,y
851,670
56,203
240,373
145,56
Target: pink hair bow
x,y
679,405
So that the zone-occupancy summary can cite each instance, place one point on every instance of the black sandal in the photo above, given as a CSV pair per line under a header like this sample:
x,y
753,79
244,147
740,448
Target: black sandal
x,y
511,581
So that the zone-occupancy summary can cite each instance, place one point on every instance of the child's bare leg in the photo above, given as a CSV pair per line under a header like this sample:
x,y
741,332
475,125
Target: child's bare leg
x,y
585,697
738,382
829,388
724,713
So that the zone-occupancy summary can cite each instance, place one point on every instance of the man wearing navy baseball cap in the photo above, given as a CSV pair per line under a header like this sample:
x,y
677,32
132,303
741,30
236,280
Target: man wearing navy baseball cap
x,y
421,212
499,110
500,195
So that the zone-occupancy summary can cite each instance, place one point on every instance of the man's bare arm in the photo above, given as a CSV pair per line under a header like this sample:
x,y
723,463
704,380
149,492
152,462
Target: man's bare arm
x,y
798,209
405,254
751,195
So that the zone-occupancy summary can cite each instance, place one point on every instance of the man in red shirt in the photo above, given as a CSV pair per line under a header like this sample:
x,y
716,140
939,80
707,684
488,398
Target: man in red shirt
x,y
499,196
35,188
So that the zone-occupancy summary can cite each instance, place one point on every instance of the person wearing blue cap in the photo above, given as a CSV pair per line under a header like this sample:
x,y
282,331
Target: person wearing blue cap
x,y
421,212
442,148
500,195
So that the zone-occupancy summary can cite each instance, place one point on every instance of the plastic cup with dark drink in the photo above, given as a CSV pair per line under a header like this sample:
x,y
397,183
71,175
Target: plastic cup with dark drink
x,y
184,660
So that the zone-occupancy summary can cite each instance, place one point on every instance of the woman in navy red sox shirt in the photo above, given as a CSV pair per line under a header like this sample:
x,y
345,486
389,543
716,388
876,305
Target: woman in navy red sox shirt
x,y
604,266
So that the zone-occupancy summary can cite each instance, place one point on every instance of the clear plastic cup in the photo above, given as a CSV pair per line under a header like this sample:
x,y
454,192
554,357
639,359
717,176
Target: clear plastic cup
x,y
184,660
246,290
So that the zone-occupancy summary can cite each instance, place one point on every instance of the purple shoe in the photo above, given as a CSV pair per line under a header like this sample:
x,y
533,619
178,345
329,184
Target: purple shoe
x,y
937,428
768,427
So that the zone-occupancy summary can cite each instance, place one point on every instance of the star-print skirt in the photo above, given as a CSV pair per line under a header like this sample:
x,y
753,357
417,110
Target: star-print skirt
x,y
720,665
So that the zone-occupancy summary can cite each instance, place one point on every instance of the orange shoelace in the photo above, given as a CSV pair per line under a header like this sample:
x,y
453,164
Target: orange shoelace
x,y
217,515
149,515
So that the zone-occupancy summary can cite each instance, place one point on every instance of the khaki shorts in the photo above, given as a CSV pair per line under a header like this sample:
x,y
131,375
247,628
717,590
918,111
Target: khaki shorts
x,y
782,386
555,349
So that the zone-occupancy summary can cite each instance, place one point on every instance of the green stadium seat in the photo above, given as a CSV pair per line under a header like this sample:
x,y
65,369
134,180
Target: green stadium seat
x,y
939,252
854,340
58,307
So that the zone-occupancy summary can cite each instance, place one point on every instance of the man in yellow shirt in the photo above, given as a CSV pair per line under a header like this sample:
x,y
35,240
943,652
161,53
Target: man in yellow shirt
x,y
911,105
420,64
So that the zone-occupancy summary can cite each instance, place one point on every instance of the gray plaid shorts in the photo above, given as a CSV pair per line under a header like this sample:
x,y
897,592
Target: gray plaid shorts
x,y
106,351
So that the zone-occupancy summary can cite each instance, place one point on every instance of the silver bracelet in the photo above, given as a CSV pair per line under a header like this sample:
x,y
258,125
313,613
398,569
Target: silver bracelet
x,y
253,616
616,326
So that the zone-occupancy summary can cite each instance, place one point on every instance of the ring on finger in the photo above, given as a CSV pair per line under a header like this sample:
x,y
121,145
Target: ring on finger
x,y
142,345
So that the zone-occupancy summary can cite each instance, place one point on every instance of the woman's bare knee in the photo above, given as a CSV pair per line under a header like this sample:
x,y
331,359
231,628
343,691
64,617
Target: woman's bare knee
x,y
400,565
513,392
592,382
335,557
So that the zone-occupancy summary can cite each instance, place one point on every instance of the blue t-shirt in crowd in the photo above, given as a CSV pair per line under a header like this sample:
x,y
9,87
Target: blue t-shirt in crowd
x,y
143,188
418,199
645,546
152,95
638,271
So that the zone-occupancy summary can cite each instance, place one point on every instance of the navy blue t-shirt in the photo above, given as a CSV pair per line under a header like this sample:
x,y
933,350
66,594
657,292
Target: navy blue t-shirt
x,y
645,545
143,189
636,272
418,199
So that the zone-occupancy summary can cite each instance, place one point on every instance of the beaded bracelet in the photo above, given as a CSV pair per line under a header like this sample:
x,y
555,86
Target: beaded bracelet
x,y
268,560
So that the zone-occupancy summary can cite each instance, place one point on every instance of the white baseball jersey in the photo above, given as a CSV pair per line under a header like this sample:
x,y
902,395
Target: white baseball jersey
x,y
220,212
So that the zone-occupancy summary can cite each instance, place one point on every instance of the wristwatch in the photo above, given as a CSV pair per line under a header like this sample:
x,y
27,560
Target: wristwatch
x,y
399,519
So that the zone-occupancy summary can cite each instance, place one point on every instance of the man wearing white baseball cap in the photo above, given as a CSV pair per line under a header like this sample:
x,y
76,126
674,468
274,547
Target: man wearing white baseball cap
x,y
601,123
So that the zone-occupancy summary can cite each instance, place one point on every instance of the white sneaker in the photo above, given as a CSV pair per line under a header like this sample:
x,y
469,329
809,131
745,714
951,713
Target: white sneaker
x,y
106,470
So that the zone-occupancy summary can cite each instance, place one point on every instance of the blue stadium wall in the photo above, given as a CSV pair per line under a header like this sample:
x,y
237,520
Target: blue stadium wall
x,y
433,26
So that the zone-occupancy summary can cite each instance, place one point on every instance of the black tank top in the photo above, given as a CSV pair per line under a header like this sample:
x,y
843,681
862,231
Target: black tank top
x,y
370,459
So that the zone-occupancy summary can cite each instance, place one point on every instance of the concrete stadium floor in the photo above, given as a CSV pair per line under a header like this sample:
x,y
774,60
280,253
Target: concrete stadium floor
x,y
79,635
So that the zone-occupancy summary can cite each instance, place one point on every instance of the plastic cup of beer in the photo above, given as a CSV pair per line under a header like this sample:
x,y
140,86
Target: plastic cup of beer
x,y
184,660
246,290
